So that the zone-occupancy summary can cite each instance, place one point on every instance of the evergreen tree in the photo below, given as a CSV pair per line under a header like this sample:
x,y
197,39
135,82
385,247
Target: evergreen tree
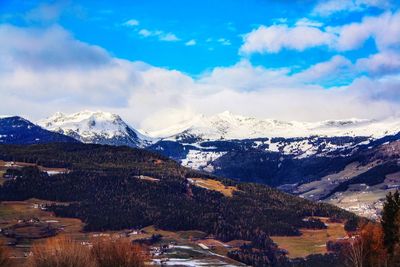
x,y
391,209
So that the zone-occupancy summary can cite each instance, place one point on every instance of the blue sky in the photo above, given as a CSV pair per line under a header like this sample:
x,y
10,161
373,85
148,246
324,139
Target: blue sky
x,y
226,53
216,27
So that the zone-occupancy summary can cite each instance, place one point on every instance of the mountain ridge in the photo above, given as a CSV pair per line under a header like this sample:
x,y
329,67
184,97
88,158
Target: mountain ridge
x,y
17,130
98,126
227,125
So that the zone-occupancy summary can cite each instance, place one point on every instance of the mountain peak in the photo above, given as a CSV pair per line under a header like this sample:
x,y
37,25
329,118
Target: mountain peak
x,y
95,127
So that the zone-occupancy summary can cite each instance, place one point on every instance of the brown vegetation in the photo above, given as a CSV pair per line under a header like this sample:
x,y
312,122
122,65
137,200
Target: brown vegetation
x,y
4,255
214,185
118,253
366,248
62,251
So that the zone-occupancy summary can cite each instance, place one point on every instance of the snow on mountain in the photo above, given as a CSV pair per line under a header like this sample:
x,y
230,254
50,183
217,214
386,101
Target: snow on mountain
x,y
227,126
219,143
96,127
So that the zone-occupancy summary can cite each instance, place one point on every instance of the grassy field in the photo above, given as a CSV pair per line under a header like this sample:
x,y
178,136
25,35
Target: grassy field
x,y
214,185
311,241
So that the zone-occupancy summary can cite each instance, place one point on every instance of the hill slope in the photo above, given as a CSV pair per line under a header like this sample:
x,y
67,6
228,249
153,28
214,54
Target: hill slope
x,y
116,177
112,188
16,130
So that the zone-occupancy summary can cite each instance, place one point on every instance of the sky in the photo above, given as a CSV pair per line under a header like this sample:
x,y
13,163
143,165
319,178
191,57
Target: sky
x,y
158,63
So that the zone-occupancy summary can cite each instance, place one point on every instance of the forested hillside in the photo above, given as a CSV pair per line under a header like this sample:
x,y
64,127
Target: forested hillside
x,y
105,189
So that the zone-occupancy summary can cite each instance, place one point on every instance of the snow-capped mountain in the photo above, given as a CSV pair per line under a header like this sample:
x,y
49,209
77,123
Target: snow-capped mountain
x,y
205,141
17,130
227,126
333,161
329,160
96,127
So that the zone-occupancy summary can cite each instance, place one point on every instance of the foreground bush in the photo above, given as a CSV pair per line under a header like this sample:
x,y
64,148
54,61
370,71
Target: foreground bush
x,y
118,253
105,252
61,252
4,255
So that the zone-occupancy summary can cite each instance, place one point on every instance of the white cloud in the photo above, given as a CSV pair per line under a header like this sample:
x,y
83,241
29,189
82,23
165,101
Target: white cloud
x,y
161,35
338,67
46,12
47,70
308,23
50,48
44,65
131,23
384,63
274,38
190,42
383,29
245,77
329,7
169,37
224,41
145,33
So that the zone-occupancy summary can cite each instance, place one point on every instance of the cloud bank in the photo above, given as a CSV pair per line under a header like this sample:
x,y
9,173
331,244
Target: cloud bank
x,y
383,29
46,69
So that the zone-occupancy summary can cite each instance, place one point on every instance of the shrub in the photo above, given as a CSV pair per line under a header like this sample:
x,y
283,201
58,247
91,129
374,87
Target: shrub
x,y
4,255
120,252
61,252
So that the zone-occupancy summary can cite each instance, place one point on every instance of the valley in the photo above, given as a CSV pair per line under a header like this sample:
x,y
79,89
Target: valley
x,y
201,218
174,247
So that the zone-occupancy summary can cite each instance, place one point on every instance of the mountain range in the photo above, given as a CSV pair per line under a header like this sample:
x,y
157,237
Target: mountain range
x,y
350,163
227,125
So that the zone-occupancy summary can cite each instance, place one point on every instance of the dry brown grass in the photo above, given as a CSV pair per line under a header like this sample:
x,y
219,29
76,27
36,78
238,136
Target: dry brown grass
x,y
214,185
4,255
120,252
311,241
61,252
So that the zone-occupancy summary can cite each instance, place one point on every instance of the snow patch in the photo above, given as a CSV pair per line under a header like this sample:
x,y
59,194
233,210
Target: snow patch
x,y
201,160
